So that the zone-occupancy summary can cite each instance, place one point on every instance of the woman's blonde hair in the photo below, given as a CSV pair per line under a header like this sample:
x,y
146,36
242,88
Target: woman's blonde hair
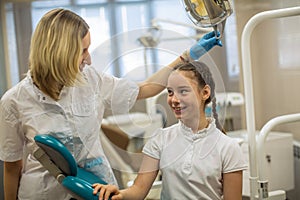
x,y
55,50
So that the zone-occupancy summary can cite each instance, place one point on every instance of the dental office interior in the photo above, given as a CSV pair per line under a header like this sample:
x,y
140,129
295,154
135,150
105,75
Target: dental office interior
x,y
257,71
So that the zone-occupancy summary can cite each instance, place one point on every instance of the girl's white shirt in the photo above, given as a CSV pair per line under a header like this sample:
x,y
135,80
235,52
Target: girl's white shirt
x,y
192,164
75,119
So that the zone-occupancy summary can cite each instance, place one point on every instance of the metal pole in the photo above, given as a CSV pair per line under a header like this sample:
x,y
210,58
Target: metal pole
x,y
248,85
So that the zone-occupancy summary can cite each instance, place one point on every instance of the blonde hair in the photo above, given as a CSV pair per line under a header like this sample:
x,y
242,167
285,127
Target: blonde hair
x,y
56,46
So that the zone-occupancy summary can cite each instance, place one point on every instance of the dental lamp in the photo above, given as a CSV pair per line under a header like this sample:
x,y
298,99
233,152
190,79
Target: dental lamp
x,y
208,13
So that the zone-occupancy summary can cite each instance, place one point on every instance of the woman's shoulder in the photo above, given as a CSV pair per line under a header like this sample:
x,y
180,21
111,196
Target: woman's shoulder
x,y
14,97
15,92
96,77
91,72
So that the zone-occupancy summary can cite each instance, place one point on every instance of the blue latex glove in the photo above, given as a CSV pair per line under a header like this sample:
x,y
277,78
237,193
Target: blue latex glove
x,y
207,42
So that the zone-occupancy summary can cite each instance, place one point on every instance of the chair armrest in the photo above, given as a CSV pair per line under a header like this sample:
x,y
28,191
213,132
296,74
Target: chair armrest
x,y
78,188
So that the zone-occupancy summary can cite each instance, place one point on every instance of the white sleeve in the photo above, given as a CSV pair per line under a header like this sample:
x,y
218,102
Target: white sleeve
x,y
11,139
117,94
154,145
233,157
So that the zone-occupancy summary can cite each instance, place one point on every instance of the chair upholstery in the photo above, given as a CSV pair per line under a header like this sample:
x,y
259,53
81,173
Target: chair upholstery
x,y
58,160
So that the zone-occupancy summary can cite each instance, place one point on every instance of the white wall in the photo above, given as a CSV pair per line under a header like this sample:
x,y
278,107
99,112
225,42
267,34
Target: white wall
x,y
275,47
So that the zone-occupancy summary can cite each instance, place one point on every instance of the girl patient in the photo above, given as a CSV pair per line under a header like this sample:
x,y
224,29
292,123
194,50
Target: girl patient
x,y
197,159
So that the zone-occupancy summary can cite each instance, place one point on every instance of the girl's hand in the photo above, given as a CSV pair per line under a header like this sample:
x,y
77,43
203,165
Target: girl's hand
x,y
107,192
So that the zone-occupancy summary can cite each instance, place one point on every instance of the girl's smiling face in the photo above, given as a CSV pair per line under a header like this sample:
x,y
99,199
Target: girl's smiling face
x,y
185,97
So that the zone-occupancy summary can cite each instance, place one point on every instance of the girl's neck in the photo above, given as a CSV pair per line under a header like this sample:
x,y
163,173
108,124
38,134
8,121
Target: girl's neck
x,y
197,125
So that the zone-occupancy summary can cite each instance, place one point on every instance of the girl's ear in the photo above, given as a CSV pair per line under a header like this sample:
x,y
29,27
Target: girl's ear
x,y
205,92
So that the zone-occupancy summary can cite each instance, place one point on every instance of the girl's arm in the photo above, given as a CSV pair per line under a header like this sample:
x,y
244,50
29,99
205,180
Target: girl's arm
x,y
140,188
12,174
232,185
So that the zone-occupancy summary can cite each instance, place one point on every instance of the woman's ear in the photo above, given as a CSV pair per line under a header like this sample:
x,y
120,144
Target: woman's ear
x,y
205,92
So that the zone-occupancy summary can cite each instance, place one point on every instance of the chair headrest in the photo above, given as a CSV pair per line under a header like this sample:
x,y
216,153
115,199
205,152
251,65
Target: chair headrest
x,y
58,153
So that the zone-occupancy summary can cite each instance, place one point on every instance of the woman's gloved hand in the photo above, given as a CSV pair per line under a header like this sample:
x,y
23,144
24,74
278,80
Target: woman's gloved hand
x,y
207,42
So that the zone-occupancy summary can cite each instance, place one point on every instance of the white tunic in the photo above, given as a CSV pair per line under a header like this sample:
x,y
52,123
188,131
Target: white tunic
x,y
192,163
75,119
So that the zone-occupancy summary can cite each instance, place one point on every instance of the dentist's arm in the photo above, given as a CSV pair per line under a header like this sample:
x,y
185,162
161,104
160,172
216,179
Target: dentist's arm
x,y
11,174
157,82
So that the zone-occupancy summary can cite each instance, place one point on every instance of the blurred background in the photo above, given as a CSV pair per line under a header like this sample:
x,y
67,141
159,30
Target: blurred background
x,y
134,38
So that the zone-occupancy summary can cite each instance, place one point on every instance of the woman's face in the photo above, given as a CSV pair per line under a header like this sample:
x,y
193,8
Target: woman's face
x,y
85,57
185,97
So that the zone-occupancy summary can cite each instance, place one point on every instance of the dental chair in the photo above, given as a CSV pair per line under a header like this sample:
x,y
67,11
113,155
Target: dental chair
x,y
57,159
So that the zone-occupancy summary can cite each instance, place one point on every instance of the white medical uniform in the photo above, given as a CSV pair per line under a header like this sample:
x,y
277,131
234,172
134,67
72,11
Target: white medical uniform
x,y
192,163
75,119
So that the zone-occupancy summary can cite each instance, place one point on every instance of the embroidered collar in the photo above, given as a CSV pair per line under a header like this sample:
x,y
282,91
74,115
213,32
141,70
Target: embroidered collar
x,y
201,133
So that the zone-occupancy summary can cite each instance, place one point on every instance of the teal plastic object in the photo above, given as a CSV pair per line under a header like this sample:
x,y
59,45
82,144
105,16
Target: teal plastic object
x,y
55,147
78,181
89,177
80,188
